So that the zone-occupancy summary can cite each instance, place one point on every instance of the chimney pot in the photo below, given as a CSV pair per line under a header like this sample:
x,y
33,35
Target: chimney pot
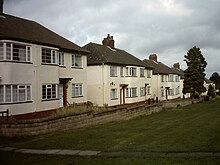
x,y
153,57
176,65
109,41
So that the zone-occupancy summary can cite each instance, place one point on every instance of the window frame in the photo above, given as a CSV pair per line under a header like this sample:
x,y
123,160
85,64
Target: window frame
x,y
113,94
79,88
16,52
61,60
113,71
11,93
142,91
49,88
131,71
131,92
142,72
49,56
74,64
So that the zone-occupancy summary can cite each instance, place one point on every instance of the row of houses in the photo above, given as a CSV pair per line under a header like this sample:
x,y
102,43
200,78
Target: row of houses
x,y
41,71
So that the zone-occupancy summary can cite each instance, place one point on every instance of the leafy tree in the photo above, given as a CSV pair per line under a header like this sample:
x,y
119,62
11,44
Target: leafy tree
x,y
211,91
194,74
216,79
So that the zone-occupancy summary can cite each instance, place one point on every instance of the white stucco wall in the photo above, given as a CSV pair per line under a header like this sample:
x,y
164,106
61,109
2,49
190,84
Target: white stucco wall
x,y
100,83
37,74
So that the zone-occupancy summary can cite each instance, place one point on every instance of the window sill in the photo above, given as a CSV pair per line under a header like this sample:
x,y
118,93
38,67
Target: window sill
x,y
74,67
21,62
115,99
49,64
142,76
132,97
130,76
62,66
49,100
21,102
76,96
113,76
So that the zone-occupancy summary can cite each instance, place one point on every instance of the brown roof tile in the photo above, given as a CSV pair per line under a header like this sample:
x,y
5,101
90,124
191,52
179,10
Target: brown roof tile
x,y
14,28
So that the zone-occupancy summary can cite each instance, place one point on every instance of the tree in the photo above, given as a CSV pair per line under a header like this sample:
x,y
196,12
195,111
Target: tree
x,y
216,79
211,91
194,75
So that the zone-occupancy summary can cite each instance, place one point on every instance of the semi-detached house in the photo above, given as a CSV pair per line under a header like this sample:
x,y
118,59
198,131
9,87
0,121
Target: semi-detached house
x,y
115,77
39,69
167,82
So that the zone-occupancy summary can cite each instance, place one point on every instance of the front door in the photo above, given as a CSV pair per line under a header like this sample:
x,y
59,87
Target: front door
x,y
60,95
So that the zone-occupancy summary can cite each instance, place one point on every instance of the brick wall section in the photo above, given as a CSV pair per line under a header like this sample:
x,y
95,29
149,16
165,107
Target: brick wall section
x,y
72,121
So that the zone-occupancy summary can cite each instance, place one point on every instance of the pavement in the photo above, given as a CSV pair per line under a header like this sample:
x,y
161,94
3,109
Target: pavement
x,y
110,154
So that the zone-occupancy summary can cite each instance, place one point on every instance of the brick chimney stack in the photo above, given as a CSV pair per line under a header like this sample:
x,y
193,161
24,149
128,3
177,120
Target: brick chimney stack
x,y
1,6
176,65
109,41
153,57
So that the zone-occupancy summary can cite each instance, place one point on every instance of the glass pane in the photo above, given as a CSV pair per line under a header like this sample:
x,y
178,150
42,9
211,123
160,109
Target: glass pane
x,y
44,94
78,61
8,51
53,91
1,93
8,93
1,52
15,93
28,92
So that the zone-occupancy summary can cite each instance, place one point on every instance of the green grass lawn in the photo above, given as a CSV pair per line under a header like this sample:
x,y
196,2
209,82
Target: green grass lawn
x,y
185,129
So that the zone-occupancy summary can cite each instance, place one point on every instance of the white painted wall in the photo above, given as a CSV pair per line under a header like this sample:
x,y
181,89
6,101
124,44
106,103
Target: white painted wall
x,y
100,83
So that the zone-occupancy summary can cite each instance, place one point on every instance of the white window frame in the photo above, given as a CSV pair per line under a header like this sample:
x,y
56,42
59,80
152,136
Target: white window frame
x,y
149,90
77,90
142,91
8,54
131,92
13,96
49,91
131,71
75,64
122,71
113,71
61,58
148,73
53,56
142,72
113,94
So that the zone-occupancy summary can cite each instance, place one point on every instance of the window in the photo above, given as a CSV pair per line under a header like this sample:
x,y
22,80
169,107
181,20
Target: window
x,y
148,90
131,71
141,72
77,61
148,73
177,78
49,56
131,92
142,91
77,90
49,91
113,71
163,78
171,92
15,93
15,52
177,90
61,58
121,71
170,78
113,94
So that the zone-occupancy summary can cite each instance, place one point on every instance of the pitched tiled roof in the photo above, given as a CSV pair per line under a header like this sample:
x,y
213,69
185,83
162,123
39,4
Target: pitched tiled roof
x,y
19,29
160,68
103,54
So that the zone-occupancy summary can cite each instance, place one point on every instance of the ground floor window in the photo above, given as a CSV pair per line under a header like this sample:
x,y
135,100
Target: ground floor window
x,y
142,91
77,90
15,93
131,92
113,94
148,90
49,91
162,92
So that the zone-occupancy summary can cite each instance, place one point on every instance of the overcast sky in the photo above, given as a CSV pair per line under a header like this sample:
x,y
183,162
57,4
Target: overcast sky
x,y
168,28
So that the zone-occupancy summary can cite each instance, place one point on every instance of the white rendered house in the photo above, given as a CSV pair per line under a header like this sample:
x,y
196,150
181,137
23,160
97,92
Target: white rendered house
x,y
116,77
166,81
39,70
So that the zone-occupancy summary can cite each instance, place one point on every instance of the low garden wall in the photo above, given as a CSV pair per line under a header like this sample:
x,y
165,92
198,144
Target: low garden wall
x,y
83,119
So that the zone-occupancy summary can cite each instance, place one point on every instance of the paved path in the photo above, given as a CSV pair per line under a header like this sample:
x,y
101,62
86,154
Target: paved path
x,y
111,154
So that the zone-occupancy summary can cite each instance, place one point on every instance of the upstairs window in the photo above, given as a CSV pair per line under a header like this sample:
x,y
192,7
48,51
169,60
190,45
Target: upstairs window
x,y
131,71
163,78
77,61
113,71
170,78
15,52
61,58
131,92
121,71
177,78
49,56
141,72
148,73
